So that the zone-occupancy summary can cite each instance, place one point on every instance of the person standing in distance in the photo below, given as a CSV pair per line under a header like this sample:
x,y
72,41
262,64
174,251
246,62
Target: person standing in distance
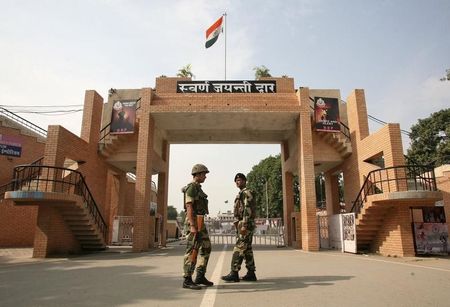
x,y
198,243
244,213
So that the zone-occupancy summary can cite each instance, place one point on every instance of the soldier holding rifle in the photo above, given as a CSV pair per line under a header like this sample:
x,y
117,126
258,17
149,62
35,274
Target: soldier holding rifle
x,y
244,213
198,247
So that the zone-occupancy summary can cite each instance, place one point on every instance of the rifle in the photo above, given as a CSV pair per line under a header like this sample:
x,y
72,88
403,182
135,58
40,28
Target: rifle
x,y
200,222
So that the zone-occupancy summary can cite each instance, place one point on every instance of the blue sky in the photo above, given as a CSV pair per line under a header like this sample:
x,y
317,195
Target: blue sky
x,y
52,51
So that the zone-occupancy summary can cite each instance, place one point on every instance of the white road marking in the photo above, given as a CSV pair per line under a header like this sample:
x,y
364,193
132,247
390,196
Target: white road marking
x,y
385,261
210,294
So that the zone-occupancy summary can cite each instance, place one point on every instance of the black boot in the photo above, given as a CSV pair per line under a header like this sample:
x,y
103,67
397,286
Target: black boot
x,y
200,279
250,276
233,276
189,284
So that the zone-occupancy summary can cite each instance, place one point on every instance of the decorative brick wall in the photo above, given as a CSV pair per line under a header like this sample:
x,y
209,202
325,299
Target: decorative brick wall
x,y
17,224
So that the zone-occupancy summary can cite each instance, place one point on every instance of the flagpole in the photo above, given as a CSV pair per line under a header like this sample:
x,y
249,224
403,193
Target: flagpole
x,y
225,20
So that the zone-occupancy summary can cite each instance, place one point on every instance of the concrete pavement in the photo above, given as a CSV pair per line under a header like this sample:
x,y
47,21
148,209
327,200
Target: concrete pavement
x,y
287,277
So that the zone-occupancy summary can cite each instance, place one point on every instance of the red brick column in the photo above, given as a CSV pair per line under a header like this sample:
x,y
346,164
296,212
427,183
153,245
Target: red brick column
x,y
332,194
443,184
393,156
310,233
406,232
163,183
92,118
141,234
288,205
359,130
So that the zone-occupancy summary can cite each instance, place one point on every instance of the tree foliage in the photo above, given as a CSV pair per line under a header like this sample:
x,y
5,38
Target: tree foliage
x,y
182,216
172,213
429,139
267,174
186,72
320,190
261,71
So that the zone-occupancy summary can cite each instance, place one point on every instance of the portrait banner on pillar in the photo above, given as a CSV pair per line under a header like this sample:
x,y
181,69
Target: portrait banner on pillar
x,y
326,114
123,117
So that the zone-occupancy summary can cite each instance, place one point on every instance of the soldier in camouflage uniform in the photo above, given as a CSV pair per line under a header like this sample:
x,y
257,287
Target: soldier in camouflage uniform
x,y
244,213
196,204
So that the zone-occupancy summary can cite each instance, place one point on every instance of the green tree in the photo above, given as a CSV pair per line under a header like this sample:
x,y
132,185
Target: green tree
x,y
429,139
320,190
182,216
261,71
296,189
172,213
186,72
265,181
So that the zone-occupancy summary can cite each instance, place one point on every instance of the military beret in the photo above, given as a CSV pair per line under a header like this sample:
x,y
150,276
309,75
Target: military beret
x,y
240,175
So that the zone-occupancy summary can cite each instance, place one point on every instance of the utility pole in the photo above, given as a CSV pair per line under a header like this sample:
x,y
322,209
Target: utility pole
x,y
267,202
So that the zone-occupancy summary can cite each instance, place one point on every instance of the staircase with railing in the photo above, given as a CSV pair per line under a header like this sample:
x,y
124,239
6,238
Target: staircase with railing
x,y
371,215
339,141
81,215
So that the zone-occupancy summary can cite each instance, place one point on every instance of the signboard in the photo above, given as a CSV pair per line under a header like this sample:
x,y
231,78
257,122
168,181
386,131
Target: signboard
x,y
123,117
10,146
265,86
326,114
431,238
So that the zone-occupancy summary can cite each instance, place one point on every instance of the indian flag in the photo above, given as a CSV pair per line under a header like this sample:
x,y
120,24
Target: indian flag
x,y
212,34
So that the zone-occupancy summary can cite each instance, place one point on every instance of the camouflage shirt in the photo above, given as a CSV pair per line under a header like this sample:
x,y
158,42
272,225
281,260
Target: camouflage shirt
x,y
194,194
245,208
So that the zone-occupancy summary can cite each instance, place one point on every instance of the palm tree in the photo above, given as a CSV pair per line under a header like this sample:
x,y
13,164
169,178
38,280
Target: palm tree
x,y
261,71
447,77
185,72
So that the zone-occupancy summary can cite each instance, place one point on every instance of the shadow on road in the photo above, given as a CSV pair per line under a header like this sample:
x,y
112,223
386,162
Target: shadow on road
x,y
281,283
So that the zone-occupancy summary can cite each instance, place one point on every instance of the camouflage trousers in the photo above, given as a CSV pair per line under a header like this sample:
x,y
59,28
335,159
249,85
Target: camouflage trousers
x,y
204,250
243,250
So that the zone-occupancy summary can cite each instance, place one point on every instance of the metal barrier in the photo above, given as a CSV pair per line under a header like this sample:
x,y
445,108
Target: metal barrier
x,y
268,232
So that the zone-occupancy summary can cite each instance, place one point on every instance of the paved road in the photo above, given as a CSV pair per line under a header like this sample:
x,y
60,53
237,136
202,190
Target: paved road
x,y
287,277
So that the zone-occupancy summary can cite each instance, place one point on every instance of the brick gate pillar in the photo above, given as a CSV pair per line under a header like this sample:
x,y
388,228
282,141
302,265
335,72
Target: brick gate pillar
x,y
288,205
310,232
332,193
141,232
163,183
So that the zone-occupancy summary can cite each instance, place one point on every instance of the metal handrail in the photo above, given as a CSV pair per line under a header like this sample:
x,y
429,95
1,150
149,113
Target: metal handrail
x,y
61,180
345,130
395,178
5,188
22,121
8,187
